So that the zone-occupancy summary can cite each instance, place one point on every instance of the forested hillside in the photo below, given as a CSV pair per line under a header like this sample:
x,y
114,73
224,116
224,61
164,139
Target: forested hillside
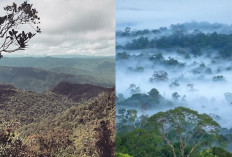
x,y
78,92
56,124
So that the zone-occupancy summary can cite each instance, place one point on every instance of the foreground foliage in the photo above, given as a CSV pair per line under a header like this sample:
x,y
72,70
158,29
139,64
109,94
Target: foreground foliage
x,y
17,15
178,132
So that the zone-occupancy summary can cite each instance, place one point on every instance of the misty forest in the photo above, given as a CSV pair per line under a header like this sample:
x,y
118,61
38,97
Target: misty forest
x,y
173,88
52,106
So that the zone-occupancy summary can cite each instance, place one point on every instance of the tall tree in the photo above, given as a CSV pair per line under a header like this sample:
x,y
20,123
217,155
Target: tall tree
x,y
184,126
13,26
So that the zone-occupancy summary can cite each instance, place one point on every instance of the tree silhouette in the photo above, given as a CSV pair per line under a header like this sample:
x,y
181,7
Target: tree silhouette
x,y
11,37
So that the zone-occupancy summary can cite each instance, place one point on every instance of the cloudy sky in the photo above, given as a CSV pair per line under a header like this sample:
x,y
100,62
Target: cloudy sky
x,y
156,13
69,27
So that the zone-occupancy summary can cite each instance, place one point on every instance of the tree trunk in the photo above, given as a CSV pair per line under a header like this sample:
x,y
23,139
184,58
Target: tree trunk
x,y
170,145
193,148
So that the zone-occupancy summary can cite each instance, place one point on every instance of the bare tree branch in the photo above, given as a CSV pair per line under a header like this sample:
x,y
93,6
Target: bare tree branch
x,y
13,40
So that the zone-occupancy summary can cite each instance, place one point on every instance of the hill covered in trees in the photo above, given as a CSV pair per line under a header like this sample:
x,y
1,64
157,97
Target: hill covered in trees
x,y
195,37
78,92
28,107
53,124
39,80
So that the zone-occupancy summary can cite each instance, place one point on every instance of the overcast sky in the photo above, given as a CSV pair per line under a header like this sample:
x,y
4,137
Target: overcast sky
x,y
156,13
83,27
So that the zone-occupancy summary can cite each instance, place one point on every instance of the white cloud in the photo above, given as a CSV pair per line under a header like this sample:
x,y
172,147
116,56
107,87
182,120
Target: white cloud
x,y
73,27
157,13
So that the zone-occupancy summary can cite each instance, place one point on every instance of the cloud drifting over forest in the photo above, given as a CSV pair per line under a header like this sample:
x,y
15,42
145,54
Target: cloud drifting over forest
x,y
83,27
157,13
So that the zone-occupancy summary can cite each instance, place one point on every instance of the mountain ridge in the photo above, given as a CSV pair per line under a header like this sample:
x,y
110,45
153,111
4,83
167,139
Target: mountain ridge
x,y
37,79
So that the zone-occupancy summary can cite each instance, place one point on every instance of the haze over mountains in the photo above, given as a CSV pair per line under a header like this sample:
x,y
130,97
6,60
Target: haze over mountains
x,y
40,74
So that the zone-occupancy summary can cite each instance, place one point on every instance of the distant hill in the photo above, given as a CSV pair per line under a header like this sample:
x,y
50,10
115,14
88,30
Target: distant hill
x,y
100,68
37,79
50,62
78,92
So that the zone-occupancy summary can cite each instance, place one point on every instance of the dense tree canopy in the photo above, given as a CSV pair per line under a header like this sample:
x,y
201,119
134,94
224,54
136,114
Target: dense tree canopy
x,y
189,127
179,132
195,42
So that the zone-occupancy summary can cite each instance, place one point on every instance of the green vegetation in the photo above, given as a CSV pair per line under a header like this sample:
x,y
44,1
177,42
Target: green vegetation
x,y
55,125
182,62
152,99
68,121
27,107
10,144
122,155
178,132
195,42
215,152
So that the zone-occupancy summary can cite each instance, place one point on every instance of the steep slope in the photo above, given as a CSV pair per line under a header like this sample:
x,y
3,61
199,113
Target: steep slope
x,y
91,128
39,80
78,92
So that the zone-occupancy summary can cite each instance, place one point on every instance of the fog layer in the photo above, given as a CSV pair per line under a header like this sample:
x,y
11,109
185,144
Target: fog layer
x,y
201,82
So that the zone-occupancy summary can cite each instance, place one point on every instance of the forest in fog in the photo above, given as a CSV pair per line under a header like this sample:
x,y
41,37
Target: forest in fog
x,y
184,66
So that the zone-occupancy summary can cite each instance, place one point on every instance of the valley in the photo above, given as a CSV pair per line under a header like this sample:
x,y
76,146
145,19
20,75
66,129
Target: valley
x,y
54,108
